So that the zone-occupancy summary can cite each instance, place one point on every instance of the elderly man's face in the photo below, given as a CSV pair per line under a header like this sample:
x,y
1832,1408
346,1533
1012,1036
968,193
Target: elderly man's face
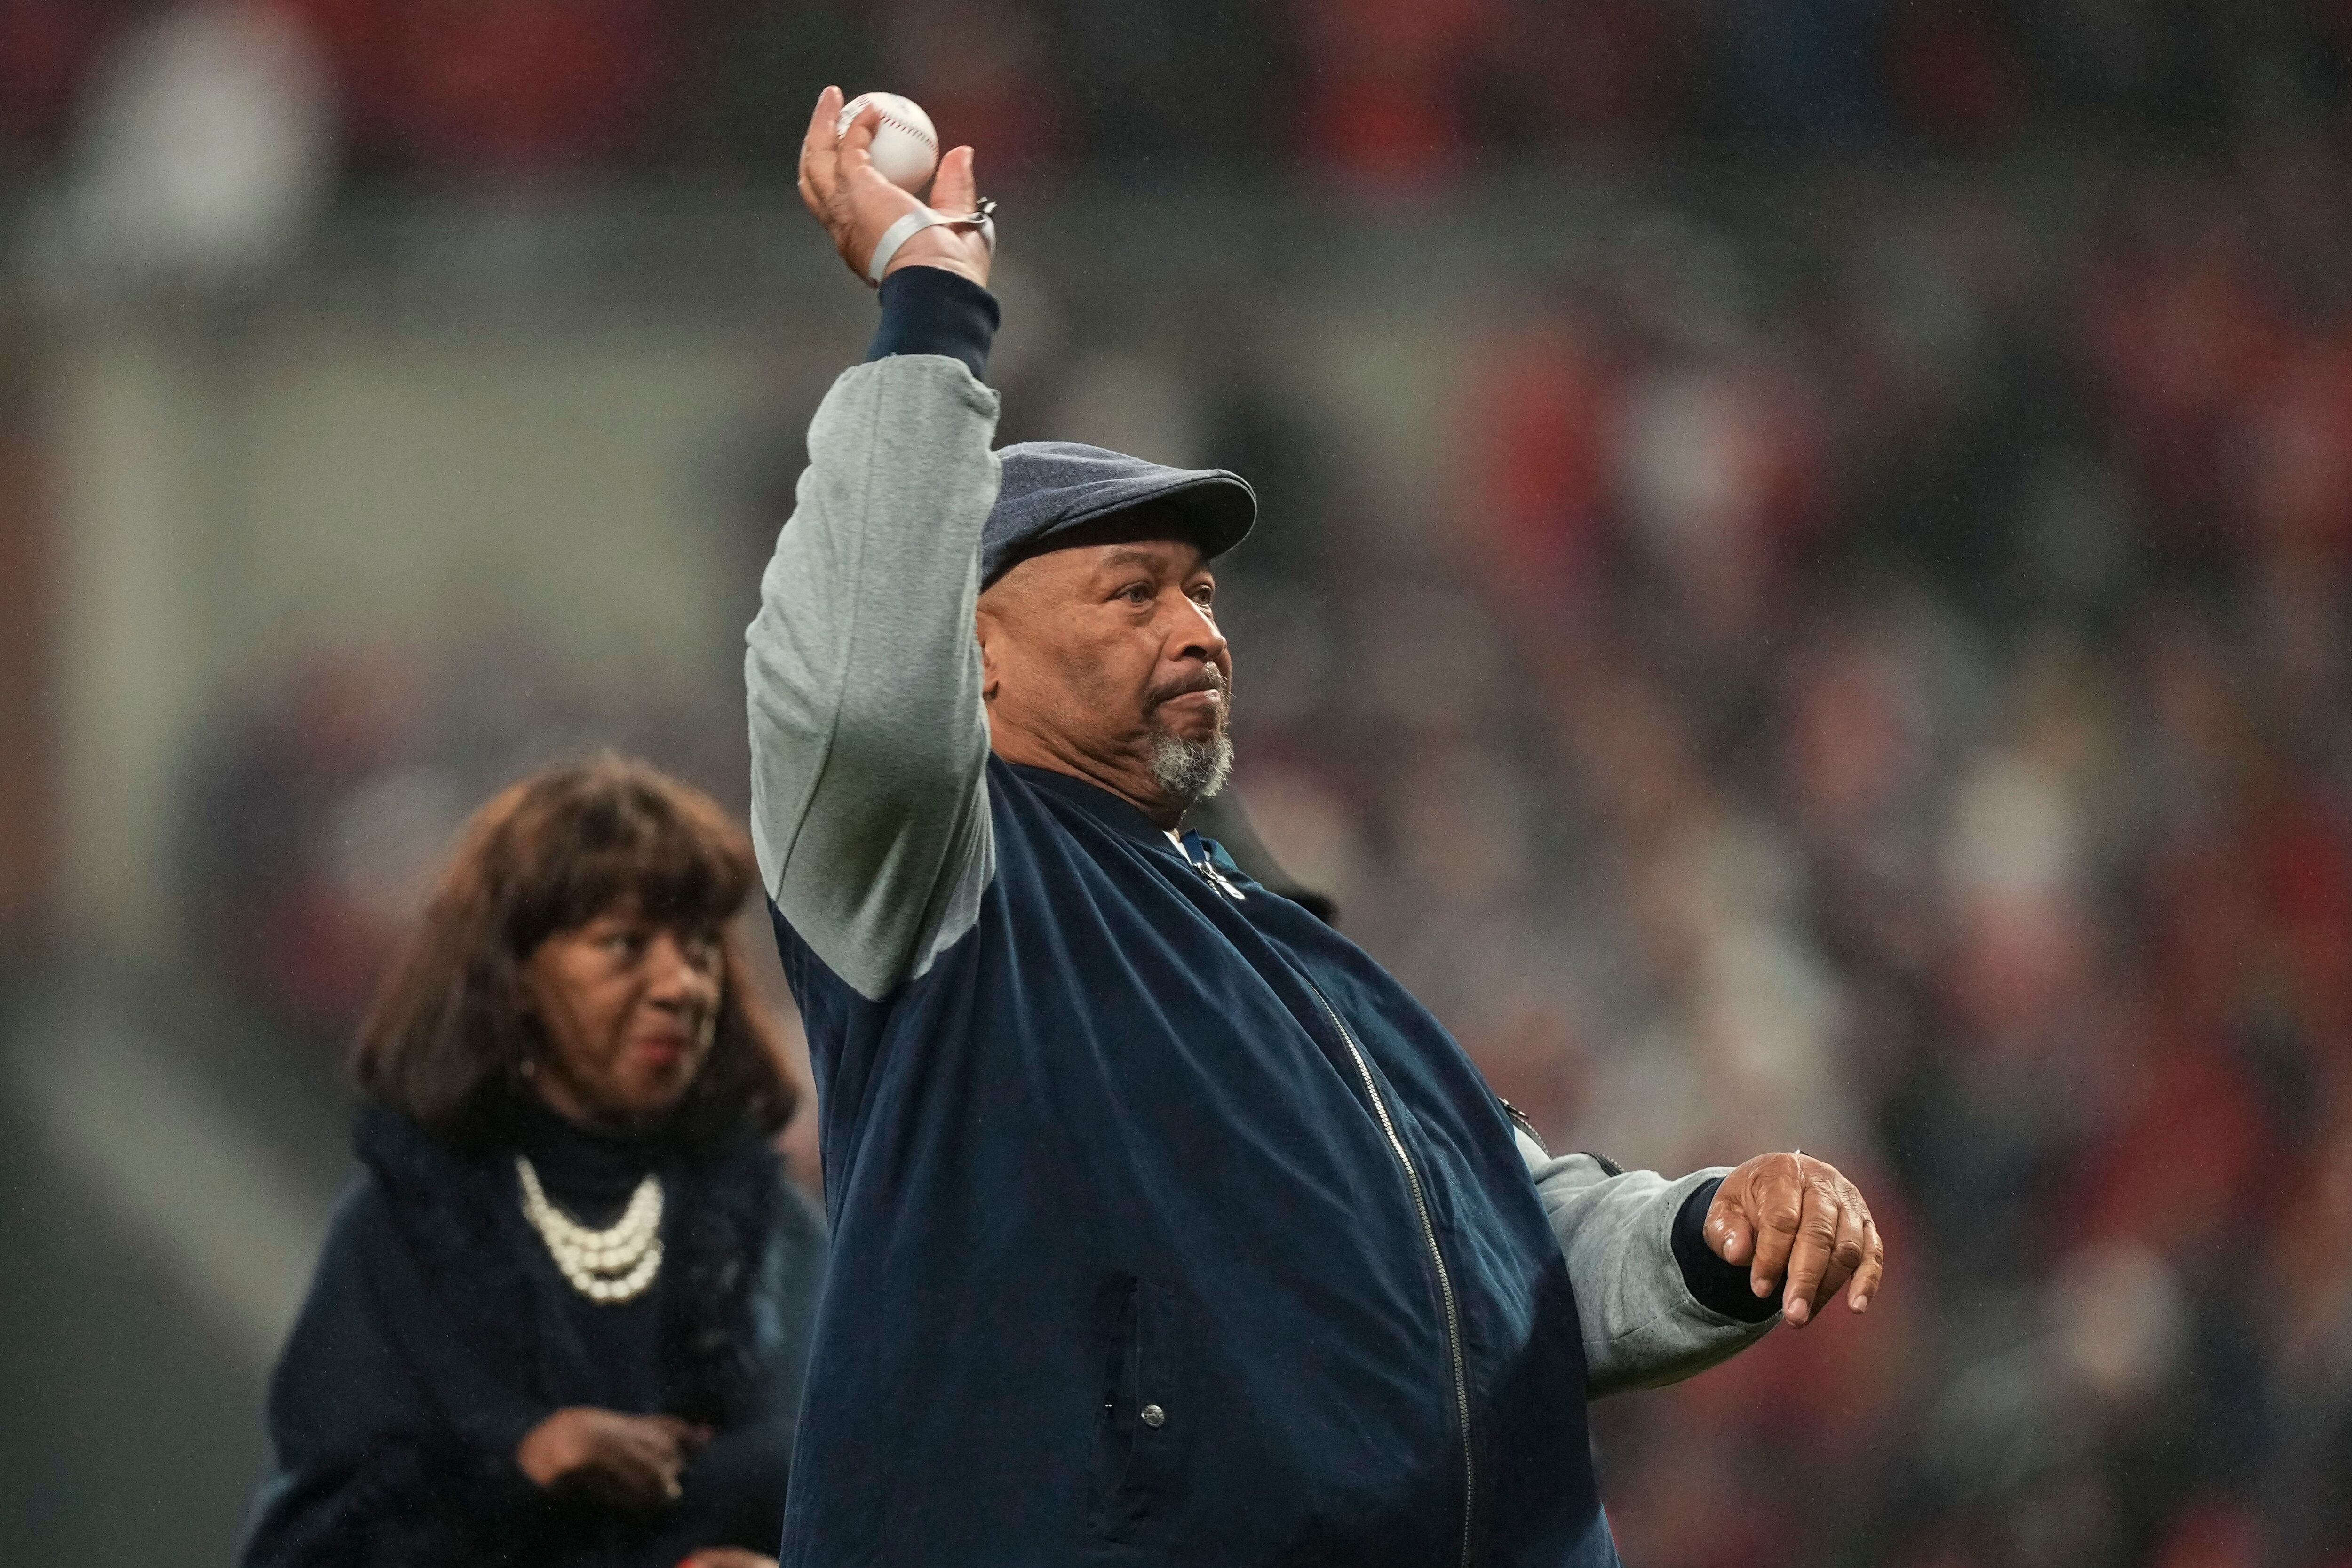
x,y
1104,661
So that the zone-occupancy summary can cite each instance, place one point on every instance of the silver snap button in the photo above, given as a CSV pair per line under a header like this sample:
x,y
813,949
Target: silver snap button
x,y
1153,1416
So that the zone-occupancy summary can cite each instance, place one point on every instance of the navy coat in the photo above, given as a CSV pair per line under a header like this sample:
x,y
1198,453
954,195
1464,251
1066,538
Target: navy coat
x,y
437,1331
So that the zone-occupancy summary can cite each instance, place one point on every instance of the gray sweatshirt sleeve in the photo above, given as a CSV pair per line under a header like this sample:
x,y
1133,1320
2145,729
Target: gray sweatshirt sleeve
x,y
1643,1328
869,740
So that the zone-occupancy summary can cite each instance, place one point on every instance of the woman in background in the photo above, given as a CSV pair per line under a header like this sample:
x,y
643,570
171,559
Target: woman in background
x,y
563,1318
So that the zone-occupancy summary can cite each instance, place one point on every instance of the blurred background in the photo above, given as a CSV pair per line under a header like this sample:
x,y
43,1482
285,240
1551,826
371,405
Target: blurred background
x,y
1802,600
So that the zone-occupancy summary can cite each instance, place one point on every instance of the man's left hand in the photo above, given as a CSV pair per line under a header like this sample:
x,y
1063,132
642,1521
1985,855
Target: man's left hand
x,y
849,194
1801,1227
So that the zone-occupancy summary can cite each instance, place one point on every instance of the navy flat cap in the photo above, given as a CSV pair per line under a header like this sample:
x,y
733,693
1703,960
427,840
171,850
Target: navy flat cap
x,y
1052,487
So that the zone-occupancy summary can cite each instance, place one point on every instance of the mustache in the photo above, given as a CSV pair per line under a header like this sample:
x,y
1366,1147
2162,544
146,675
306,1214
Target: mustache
x,y
1209,679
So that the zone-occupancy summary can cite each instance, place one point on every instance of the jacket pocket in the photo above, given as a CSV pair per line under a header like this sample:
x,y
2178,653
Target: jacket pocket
x,y
1142,1423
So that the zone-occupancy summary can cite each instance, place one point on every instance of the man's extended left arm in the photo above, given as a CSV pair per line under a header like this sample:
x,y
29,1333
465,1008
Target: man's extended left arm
x,y
1673,1277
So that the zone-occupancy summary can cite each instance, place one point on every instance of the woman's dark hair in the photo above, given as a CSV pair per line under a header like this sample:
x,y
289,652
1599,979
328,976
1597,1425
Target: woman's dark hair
x,y
447,1038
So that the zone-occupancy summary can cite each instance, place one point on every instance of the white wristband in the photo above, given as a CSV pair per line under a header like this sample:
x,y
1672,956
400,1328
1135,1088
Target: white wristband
x,y
898,234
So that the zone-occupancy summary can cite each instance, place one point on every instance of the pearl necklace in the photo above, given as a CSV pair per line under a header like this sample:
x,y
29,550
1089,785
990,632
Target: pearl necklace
x,y
613,1264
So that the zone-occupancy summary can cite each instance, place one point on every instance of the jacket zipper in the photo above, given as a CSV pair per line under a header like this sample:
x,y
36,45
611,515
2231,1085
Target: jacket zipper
x,y
1208,873
1436,1259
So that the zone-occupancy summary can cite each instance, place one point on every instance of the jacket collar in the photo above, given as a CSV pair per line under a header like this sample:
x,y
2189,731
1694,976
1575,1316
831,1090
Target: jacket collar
x,y
1120,816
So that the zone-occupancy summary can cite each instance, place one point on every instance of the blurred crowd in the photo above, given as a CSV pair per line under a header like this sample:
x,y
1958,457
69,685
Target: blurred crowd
x,y
1901,713
1383,91
1885,689
1905,714
314,821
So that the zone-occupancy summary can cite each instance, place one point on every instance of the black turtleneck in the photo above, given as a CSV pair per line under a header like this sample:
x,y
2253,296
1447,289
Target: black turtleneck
x,y
589,1174
589,1171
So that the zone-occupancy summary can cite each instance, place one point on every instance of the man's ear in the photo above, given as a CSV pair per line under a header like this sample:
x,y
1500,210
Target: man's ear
x,y
983,625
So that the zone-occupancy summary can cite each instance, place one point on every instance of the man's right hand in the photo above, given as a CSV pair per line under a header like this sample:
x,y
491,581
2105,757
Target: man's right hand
x,y
633,1460
1796,1218
856,204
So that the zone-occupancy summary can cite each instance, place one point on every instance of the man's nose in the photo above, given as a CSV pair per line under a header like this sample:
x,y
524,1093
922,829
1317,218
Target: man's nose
x,y
1197,636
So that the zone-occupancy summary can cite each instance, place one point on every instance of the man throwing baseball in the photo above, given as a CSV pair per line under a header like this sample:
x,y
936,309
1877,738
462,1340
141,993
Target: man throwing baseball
x,y
1167,1226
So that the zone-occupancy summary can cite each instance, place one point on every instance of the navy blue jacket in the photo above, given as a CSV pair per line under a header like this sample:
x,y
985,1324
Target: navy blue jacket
x,y
1168,1225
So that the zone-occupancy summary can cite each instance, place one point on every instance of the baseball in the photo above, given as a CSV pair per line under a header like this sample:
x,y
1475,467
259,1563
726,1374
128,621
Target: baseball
x,y
906,148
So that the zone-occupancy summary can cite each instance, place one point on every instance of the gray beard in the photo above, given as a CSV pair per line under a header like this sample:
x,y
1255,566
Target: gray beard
x,y
1192,771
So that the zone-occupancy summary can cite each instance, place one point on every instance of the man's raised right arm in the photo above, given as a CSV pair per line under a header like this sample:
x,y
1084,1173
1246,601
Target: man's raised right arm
x,y
869,740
